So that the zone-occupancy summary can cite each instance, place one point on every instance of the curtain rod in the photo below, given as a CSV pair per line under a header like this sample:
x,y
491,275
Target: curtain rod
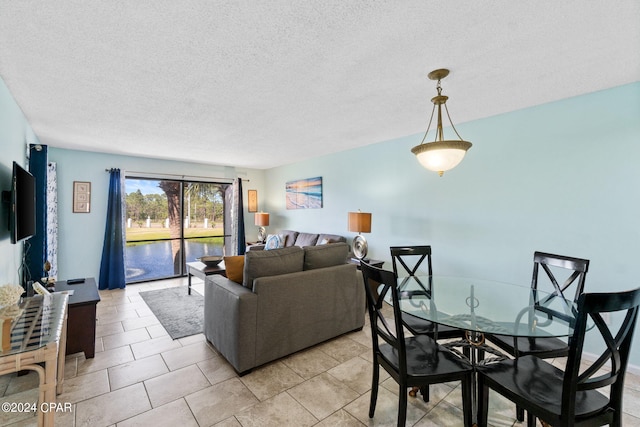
x,y
147,174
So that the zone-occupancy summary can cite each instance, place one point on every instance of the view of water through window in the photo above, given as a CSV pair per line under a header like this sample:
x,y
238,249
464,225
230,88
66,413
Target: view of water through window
x,y
170,222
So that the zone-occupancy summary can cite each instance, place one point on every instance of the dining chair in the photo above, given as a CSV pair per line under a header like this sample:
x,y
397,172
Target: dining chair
x,y
411,361
575,271
410,259
572,397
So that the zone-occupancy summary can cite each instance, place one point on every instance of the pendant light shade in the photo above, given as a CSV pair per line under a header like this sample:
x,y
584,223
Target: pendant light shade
x,y
440,155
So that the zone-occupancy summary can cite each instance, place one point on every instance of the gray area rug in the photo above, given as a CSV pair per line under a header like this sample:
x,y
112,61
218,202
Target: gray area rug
x,y
180,314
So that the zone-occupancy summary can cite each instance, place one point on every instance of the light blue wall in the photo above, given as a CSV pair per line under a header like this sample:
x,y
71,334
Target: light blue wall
x,y
81,235
15,135
561,177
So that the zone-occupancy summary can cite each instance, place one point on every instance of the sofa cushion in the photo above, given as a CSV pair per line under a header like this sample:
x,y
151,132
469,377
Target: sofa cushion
x,y
289,237
321,256
274,241
234,266
271,263
323,239
306,239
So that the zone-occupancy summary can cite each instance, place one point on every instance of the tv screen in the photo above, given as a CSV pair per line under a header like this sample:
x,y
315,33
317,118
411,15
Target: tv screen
x,y
22,213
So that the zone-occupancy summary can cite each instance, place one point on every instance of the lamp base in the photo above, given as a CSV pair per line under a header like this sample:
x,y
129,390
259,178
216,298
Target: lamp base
x,y
262,234
360,247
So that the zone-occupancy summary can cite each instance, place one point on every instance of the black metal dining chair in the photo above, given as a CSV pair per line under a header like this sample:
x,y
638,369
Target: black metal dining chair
x,y
570,290
571,397
410,259
411,361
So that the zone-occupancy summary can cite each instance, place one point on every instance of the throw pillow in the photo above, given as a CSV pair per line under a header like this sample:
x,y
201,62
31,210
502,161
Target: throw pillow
x,y
274,241
234,266
326,242
330,238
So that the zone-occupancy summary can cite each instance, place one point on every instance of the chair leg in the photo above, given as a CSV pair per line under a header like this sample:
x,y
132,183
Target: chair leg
x,y
425,393
374,389
467,407
519,413
531,420
402,406
483,403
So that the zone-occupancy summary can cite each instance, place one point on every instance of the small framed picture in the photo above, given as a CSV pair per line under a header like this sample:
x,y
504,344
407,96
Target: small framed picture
x,y
253,200
81,197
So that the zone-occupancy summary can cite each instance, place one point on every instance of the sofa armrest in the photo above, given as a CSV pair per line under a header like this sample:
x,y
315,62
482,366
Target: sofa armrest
x,y
230,313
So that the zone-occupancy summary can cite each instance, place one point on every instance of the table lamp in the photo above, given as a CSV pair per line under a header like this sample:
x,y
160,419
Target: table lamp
x,y
262,220
360,222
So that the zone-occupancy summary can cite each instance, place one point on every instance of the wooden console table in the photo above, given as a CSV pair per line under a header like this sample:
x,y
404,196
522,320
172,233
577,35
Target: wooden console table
x,y
81,334
201,270
38,336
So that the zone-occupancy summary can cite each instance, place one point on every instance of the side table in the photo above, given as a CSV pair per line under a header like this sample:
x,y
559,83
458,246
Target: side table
x,y
201,271
81,328
373,262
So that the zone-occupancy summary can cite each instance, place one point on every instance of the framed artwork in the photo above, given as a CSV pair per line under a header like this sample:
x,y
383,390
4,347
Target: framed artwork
x,y
253,200
304,193
81,197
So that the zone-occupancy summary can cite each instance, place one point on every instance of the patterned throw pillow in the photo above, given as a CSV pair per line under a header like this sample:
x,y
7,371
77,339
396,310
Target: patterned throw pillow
x,y
274,241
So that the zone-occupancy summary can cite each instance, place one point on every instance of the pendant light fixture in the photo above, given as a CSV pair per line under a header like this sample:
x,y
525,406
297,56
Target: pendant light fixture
x,y
440,155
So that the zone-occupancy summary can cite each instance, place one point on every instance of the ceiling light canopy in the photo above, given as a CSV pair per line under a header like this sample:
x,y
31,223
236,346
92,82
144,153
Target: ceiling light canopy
x,y
440,155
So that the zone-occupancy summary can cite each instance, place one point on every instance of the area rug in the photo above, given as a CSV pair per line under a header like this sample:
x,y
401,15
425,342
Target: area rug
x,y
180,314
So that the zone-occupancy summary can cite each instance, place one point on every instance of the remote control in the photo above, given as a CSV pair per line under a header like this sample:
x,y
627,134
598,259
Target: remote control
x,y
75,281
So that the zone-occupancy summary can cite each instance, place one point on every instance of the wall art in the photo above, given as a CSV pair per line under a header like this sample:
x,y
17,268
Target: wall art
x,y
304,193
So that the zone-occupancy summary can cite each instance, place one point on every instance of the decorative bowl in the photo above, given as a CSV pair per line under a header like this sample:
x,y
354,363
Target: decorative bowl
x,y
210,261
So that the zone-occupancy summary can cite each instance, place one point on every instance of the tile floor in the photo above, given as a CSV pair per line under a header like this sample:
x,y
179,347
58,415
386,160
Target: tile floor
x,y
141,377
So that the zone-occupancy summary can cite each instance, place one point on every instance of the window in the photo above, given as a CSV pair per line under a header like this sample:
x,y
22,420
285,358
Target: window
x,y
169,223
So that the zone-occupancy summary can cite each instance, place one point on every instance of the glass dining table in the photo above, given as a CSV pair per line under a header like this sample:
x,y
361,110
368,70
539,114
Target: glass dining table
x,y
485,307
482,306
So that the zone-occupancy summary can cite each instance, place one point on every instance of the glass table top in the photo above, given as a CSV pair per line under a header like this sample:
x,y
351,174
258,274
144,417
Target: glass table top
x,y
486,306
35,322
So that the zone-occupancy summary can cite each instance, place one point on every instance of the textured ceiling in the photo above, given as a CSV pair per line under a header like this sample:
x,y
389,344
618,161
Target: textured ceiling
x,y
264,83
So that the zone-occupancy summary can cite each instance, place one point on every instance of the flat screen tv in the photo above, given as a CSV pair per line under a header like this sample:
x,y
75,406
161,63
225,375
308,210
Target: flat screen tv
x,y
22,209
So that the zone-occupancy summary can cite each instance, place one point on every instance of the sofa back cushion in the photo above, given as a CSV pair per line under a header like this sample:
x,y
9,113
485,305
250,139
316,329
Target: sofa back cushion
x,y
289,237
271,263
328,255
323,239
306,239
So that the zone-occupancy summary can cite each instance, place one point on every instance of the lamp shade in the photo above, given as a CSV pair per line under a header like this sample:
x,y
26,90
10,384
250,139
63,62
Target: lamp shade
x,y
360,222
262,219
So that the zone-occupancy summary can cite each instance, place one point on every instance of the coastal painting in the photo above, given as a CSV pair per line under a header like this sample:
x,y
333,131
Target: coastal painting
x,y
304,193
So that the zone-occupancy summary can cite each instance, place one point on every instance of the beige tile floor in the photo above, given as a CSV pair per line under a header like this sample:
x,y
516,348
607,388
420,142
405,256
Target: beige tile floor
x,y
140,377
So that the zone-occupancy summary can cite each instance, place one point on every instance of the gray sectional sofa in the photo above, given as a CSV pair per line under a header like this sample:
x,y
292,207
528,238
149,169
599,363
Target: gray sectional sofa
x,y
296,238
289,299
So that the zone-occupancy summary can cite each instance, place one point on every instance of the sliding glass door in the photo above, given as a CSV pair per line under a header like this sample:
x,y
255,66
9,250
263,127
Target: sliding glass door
x,y
169,223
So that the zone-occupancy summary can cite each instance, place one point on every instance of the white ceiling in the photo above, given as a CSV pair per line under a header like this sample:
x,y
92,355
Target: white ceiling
x,y
264,83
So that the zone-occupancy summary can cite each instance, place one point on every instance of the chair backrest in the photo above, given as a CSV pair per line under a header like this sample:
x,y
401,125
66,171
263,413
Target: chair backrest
x,y
377,283
575,268
581,374
558,268
402,254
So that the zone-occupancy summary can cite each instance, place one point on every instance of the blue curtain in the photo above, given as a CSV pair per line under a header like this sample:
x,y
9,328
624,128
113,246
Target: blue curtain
x,y
36,247
242,245
112,265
